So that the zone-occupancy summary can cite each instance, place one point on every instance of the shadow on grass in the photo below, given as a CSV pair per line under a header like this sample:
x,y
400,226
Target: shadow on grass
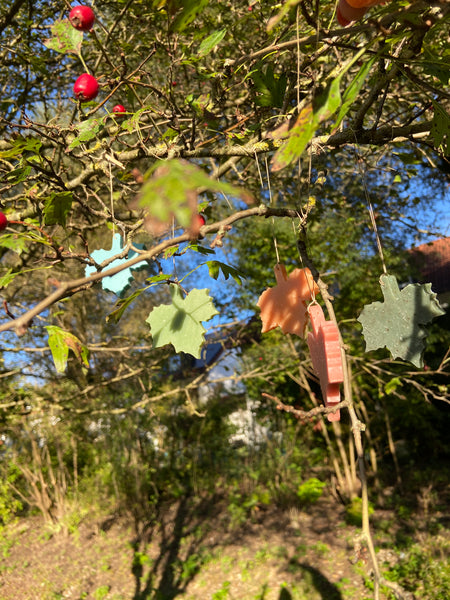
x,y
285,594
328,590
182,551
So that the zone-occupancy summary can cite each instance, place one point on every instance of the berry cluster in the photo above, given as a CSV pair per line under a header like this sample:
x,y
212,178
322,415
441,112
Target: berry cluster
x,y
86,86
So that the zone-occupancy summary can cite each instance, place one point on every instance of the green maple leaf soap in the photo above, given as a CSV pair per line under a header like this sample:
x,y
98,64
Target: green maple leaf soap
x,y
397,322
179,323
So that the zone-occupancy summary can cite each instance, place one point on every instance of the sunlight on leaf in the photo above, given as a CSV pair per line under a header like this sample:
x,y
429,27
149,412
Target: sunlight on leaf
x,y
216,267
87,130
179,323
191,9
60,342
65,38
171,191
209,43
298,138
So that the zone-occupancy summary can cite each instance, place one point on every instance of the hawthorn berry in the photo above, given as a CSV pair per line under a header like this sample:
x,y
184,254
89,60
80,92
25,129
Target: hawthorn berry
x,y
82,17
201,220
3,221
119,109
85,87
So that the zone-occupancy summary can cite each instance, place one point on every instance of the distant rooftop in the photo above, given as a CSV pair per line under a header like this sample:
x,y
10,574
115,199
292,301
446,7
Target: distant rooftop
x,y
433,264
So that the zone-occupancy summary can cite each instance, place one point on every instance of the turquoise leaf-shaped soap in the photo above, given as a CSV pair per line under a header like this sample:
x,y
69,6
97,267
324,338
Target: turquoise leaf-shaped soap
x,y
179,323
116,283
397,323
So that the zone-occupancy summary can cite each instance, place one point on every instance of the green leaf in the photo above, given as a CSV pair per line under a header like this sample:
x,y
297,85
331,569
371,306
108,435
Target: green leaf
x,y
132,124
9,276
327,102
160,278
21,145
189,12
439,67
13,241
121,305
65,38
56,208
209,43
179,323
299,137
171,190
353,90
322,107
270,88
170,134
392,385
87,130
17,175
216,267
440,129
60,342
6,279
396,323
200,104
169,252
196,247
285,9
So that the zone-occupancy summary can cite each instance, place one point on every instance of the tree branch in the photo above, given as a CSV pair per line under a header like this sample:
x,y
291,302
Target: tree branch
x,y
383,135
67,288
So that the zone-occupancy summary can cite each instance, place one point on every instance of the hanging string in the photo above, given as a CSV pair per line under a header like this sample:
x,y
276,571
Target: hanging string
x,y
111,197
174,263
373,221
275,244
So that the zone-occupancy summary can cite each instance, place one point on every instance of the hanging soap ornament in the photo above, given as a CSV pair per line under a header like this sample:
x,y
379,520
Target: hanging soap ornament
x,y
324,346
398,322
284,305
119,282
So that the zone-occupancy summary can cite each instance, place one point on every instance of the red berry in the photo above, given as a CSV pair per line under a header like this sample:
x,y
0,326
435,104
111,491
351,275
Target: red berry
x,y
3,221
119,109
201,220
82,18
85,87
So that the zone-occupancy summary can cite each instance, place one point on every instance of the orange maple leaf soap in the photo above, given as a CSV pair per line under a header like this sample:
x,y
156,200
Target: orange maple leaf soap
x,y
285,304
324,346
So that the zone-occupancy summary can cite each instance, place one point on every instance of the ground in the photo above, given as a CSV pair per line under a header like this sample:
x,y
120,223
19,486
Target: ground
x,y
188,552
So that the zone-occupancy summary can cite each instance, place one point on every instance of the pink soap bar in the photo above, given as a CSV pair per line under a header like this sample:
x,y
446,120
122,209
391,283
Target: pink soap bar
x,y
284,305
349,13
365,3
324,346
